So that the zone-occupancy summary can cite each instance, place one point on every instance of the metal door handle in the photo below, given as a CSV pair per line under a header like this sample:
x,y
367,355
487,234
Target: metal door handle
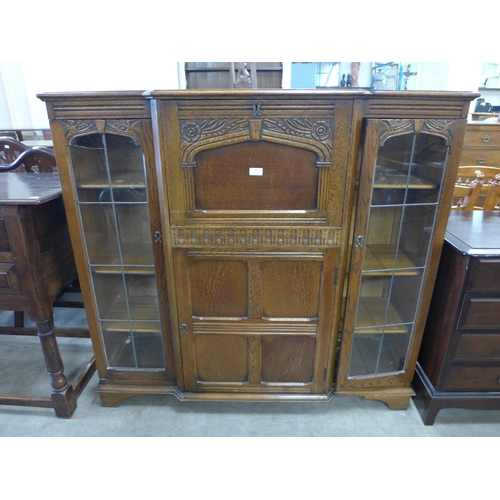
x,y
358,242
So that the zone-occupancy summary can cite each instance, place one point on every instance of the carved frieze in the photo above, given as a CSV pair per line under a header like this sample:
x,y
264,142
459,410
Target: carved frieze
x,y
310,133
391,128
442,128
77,128
74,128
248,237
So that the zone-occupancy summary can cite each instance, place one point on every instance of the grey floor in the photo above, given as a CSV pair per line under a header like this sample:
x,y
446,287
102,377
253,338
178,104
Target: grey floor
x,y
22,372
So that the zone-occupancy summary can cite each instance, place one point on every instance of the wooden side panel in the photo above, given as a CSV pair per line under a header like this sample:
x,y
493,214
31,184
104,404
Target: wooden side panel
x,y
442,313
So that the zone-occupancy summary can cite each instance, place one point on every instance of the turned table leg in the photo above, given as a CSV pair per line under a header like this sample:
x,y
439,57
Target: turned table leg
x,y
62,394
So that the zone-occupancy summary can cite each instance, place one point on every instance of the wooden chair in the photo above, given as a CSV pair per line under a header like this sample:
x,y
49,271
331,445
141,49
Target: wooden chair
x,y
471,175
243,75
492,201
11,133
465,197
468,174
10,149
14,155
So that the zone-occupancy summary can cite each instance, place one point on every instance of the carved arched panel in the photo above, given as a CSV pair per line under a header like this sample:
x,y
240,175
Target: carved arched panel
x,y
442,128
313,134
309,138
78,128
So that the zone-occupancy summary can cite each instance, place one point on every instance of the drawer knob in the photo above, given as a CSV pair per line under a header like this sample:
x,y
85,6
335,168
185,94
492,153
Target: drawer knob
x,y
480,160
485,138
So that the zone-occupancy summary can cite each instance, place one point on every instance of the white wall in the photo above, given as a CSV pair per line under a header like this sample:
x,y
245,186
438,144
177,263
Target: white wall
x,y
14,102
22,81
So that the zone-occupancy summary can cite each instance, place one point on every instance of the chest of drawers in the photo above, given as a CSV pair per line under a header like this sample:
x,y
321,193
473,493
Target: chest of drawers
x,y
481,145
459,363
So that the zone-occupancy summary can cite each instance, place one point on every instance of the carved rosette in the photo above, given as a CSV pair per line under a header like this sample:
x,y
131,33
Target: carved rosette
x,y
77,128
310,133
441,128
247,237
198,135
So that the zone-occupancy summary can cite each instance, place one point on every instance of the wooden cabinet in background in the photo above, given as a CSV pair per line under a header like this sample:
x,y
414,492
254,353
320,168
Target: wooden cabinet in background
x,y
228,75
481,145
212,232
459,363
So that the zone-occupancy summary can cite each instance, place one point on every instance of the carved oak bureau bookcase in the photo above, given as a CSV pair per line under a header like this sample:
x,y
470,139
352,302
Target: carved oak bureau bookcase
x,y
257,245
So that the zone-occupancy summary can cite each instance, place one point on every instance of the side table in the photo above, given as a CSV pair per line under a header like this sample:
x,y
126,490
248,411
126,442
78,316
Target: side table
x,y
36,260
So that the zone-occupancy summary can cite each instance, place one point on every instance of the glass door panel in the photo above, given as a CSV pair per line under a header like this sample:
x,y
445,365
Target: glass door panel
x,y
112,197
134,232
404,194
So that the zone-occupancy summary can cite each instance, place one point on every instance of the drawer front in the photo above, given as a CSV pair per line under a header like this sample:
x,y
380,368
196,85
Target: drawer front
x,y
5,250
486,157
484,276
9,280
480,312
479,138
4,241
477,346
474,378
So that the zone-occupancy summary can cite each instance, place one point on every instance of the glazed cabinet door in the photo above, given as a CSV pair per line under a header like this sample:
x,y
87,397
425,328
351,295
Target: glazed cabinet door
x,y
115,203
393,261
256,194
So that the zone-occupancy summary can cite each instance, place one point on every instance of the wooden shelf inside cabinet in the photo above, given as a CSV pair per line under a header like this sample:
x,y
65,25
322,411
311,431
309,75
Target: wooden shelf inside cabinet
x,y
121,180
138,327
371,314
379,261
147,355
118,269
136,261
389,178
142,308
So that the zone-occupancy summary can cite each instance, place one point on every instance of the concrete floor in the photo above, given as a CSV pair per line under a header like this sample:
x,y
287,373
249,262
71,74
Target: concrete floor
x,y
22,371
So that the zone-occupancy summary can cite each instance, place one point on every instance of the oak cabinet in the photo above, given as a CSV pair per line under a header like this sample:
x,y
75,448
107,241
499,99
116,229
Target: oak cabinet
x,y
257,245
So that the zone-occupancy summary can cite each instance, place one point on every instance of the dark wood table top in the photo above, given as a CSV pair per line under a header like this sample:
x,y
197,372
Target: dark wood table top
x,y
22,188
475,232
